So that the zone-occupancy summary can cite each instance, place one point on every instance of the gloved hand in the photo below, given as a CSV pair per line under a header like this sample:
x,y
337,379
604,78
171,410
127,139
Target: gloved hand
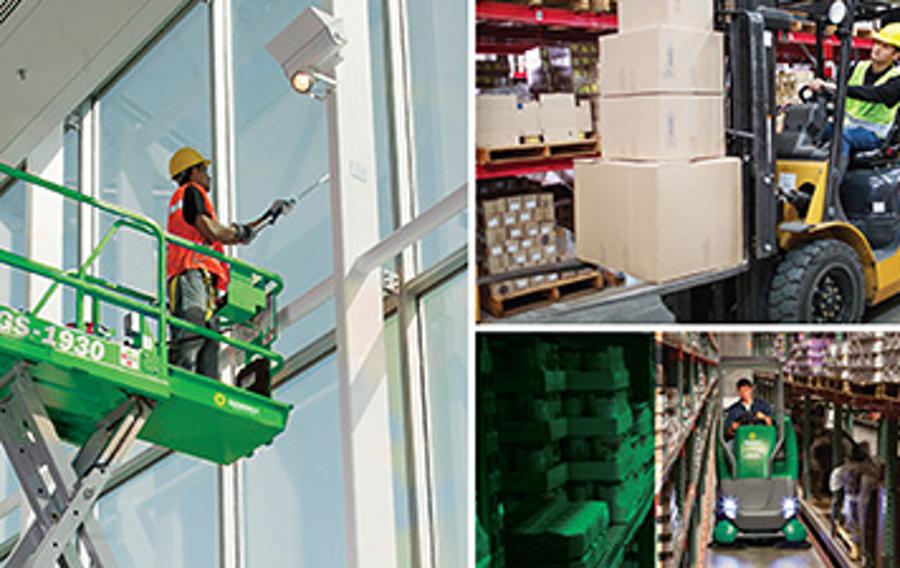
x,y
244,233
278,208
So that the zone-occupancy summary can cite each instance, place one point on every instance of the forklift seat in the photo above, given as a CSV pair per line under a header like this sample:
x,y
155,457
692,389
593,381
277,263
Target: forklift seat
x,y
886,155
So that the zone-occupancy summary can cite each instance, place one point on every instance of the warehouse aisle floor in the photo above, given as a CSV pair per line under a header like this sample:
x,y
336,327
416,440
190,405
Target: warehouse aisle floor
x,y
760,556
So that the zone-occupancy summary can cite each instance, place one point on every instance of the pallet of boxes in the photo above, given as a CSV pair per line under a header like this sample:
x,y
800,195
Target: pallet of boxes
x,y
512,131
517,232
663,202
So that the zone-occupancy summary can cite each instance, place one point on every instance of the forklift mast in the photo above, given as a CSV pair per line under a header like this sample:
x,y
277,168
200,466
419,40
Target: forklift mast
x,y
751,27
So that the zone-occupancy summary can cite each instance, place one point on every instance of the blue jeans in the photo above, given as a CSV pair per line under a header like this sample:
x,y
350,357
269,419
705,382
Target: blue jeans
x,y
855,138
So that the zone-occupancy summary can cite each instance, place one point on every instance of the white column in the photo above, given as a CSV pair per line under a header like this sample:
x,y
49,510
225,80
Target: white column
x,y
44,221
365,429
230,502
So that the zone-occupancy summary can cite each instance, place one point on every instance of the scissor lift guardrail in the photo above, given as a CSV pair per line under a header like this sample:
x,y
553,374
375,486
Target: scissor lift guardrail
x,y
70,382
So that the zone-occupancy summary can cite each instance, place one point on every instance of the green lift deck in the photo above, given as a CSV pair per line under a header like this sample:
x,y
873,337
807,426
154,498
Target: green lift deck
x,y
74,382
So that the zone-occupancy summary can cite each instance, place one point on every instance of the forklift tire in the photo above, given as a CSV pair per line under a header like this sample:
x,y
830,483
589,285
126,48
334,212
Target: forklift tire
x,y
818,282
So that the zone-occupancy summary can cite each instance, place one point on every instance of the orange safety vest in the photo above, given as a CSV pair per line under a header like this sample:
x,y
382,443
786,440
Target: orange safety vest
x,y
180,259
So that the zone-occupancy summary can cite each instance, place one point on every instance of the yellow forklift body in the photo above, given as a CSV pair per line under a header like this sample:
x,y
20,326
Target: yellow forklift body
x,y
882,277
797,174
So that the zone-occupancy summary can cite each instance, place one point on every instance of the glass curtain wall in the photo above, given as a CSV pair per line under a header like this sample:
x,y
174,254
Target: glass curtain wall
x,y
168,514
160,104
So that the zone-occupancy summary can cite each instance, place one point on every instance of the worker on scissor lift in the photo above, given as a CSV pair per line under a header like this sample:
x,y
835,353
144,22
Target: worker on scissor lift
x,y
193,279
873,95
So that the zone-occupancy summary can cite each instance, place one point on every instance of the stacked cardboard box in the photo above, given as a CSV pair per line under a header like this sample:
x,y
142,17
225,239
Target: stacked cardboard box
x,y
555,118
664,201
518,231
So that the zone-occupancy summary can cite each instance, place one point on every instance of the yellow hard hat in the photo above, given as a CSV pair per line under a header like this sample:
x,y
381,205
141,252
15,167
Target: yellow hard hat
x,y
889,34
184,159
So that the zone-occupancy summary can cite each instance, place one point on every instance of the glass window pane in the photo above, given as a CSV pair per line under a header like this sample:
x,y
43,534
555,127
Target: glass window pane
x,y
444,339
398,442
437,37
161,104
281,147
71,222
381,113
293,490
167,516
12,238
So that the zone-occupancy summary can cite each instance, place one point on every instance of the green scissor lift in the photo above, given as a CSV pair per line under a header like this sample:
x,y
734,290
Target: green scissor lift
x,y
69,381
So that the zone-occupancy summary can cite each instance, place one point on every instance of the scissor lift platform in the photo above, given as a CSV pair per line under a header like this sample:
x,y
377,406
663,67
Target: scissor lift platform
x,y
191,414
76,383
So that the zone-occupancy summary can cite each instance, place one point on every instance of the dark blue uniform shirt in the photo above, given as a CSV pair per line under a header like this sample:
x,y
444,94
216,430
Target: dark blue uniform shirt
x,y
737,411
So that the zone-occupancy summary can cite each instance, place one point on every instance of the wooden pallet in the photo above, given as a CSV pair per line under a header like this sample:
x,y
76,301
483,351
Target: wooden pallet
x,y
536,152
523,300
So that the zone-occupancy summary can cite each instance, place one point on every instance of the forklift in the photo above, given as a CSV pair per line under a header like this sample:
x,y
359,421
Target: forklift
x,y
822,238
757,474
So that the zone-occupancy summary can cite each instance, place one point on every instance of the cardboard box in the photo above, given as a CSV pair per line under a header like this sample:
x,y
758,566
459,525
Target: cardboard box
x,y
530,202
514,204
528,242
495,264
536,255
517,260
692,14
584,118
510,218
538,280
496,250
515,232
672,127
547,228
663,60
526,216
532,230
512,247
497,120
495,236
559,117
659,221
528,122
491,207
494,221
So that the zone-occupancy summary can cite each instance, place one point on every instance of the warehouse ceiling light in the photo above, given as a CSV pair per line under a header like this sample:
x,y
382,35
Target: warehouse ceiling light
x,y
308,50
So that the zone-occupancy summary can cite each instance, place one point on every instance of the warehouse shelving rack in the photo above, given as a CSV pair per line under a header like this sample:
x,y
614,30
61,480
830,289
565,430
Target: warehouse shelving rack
x,y
74,383
684,471
824,388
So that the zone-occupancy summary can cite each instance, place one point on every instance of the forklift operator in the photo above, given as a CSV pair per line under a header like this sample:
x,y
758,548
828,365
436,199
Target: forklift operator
x,y
873,93
193,278
747,410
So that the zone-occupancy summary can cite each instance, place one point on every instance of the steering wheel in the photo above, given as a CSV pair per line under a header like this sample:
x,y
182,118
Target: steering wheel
x,y
807,95
749,420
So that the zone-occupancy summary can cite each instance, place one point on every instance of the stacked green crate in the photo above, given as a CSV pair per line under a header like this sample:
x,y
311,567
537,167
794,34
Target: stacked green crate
x,y
530,422
576,445
490,511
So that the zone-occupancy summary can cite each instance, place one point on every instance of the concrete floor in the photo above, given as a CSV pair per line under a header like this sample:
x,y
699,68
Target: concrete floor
x,y
648,309
756,556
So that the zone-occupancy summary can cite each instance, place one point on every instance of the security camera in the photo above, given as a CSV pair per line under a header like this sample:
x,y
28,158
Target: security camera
x,y
308,50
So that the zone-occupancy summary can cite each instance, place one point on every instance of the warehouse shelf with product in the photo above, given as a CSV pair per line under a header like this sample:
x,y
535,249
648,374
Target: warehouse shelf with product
x,y
763,449
687,170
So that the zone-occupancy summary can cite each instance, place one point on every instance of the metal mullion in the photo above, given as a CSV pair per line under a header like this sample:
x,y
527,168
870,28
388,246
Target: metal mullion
x,y
221,108
400,97
408,262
